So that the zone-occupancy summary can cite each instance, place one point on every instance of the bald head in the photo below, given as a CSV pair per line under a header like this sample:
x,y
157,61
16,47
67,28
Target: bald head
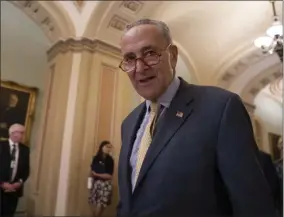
x,y
16,132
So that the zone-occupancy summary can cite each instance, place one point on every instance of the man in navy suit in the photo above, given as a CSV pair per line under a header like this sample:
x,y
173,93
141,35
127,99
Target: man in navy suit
x,y
196,144
14,170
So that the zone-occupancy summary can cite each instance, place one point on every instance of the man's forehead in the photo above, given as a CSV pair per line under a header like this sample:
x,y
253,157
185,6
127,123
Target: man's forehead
x,y
134,41
138,48
19,130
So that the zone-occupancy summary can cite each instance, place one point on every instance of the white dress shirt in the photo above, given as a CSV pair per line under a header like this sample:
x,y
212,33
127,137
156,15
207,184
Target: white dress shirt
x,y
16,158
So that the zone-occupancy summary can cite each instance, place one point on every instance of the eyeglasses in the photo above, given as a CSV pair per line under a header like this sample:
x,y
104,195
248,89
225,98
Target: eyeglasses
x,y
151,58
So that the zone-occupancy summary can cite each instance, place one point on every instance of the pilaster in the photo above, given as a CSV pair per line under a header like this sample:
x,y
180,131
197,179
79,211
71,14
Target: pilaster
x,y
88,97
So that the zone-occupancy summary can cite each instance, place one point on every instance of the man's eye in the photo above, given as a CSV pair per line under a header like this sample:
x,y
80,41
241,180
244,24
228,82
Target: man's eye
x,y
129,59
150,53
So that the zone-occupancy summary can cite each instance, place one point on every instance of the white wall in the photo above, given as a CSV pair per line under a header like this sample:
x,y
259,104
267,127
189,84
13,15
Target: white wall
x,y
23,60
269,110
23,54
269,113
182,70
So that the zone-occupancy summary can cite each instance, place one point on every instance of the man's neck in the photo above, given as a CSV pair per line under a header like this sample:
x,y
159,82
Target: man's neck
x,y
12,142
166,98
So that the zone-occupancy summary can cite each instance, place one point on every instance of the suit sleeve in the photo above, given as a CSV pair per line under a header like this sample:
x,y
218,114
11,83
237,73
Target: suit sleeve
x,y
26,172
119,204
238,163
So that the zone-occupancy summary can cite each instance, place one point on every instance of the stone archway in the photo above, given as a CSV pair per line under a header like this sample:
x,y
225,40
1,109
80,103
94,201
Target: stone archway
x,y
49,16
249,74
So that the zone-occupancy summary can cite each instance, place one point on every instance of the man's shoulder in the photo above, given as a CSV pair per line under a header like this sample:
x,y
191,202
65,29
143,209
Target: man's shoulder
x,y
4,142
211,97
3,146
133,112
211,92
24,147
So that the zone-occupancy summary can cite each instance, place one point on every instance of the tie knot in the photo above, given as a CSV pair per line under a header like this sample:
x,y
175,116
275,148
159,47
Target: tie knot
x,y
154,107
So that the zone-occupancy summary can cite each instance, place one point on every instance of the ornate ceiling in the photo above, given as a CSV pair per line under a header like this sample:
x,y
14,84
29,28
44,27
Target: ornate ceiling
x,y
215,38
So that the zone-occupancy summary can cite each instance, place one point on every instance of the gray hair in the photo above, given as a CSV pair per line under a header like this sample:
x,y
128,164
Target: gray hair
x,y
160,24
16,127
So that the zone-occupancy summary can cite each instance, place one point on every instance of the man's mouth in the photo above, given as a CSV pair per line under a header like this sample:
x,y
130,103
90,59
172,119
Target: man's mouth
x,y
147,80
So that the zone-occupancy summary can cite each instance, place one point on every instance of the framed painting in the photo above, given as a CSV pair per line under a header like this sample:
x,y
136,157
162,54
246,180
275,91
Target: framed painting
x,y
17,105
275,146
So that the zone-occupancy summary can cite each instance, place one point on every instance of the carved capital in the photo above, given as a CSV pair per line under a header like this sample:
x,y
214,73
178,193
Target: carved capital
x,y
82,44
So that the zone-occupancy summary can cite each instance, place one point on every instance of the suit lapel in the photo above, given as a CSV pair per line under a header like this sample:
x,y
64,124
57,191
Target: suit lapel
x,y
5,160
180,109
20,154
129,135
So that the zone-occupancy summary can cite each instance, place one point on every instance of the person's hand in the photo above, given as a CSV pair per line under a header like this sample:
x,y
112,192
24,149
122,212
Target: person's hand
x,y
7,187
16,185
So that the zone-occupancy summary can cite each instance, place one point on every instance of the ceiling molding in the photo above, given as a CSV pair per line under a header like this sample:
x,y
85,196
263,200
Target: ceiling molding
x,y
262,83
254,88
117,22
38,14
82,44
49,16
239,67
132,6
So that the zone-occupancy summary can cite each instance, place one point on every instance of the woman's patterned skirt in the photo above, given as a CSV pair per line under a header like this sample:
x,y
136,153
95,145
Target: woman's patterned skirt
x,y
101,193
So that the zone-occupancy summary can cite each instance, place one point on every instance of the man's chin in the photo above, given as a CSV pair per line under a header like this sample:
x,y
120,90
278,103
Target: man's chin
x,y
149,96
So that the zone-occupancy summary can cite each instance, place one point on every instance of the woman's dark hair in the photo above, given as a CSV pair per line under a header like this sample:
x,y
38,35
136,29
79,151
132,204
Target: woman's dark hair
x,y
99,154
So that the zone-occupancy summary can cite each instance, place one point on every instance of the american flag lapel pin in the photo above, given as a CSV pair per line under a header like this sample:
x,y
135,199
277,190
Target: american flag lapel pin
x,y
179,114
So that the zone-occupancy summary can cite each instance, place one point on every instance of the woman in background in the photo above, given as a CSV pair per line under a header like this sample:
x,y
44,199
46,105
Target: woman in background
x,y
101,172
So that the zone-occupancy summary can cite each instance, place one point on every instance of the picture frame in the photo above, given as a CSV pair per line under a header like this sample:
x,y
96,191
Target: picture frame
x,y
17,105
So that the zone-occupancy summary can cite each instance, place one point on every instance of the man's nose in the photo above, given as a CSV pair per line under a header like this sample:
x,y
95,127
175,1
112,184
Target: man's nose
x,y
140,66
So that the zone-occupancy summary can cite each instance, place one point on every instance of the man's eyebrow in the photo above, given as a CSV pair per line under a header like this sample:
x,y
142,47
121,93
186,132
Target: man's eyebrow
x,y
142,50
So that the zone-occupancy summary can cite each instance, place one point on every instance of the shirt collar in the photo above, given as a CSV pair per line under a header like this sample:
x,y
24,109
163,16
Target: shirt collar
x,y
12,143
167,97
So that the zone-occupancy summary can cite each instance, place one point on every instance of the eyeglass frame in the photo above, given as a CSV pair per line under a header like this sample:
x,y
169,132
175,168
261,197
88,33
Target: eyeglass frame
x,y
159,54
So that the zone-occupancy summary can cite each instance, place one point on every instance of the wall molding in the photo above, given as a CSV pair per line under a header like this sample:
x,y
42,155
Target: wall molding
x,y
82,44
239,66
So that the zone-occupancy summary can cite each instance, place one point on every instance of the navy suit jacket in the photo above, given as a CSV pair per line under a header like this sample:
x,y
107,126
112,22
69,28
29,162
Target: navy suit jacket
x,y
23,169
203,164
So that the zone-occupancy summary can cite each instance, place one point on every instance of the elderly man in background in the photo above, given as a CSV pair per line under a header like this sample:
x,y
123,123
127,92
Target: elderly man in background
x,y
14,169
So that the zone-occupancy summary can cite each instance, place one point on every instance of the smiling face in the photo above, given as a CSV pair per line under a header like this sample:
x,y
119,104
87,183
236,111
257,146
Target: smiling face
x,y
144,41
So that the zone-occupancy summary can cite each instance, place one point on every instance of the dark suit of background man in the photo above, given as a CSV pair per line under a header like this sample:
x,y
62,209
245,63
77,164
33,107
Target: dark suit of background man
x,y
274,182
196,155
14,169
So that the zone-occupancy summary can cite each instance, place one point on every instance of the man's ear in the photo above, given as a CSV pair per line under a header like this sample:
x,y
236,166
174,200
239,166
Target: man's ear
x,y
174,55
